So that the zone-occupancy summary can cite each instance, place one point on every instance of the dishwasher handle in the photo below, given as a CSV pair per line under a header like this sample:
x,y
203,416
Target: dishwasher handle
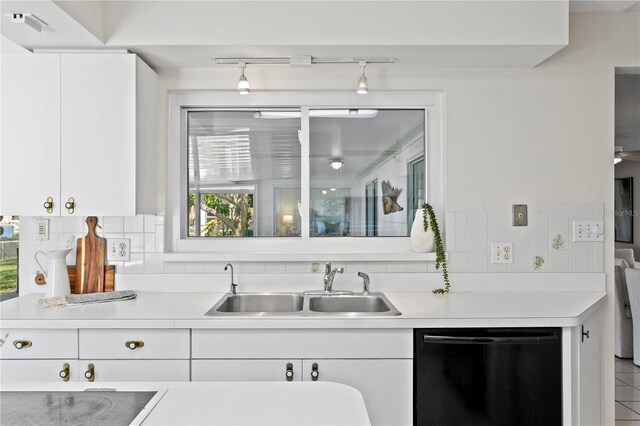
x,y
487,340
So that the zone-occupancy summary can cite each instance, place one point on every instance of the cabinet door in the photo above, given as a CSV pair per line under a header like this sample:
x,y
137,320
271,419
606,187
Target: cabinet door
x,y
41,370
385,384
98,116
245,370
135,370
589,371
30,134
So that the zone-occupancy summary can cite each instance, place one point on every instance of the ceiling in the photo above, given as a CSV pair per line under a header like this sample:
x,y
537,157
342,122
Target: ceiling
x,y
598,6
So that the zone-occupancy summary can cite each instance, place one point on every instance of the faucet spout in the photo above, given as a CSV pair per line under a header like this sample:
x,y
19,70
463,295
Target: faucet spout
x,y
232,290
329,275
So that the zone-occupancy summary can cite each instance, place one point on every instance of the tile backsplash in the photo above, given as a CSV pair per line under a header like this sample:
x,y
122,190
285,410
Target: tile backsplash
x,y
545,245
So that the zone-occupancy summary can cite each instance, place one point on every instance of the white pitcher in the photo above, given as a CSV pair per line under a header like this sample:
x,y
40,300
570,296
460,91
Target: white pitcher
x,y
56,274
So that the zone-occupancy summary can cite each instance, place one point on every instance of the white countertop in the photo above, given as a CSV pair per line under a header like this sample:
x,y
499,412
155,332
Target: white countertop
x,y
238,403
419,310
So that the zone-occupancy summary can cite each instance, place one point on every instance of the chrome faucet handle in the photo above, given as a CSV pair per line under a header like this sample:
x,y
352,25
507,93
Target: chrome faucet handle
x,y
327,268
366,280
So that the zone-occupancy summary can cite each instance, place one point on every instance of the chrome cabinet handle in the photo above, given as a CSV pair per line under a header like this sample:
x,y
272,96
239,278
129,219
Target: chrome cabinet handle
x,y
90,374
134,344
289,372
64,373
70,205
21,344
48,205
314,372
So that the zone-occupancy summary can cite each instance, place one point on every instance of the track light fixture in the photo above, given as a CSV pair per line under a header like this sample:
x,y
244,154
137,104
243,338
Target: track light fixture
x,y
363,85
304,61
243,83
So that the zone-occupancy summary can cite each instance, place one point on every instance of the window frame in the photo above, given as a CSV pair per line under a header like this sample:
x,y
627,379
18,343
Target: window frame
x,y
180,102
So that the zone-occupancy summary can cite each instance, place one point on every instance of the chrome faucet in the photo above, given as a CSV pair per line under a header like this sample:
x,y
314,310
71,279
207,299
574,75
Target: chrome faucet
x,y
233,285
329,274
365,277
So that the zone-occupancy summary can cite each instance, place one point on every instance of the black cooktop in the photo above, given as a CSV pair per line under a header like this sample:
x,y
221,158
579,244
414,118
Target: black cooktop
x,y
48,408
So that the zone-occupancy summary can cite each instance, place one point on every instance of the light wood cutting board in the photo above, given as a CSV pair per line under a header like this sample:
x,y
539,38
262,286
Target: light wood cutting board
x,y
90,260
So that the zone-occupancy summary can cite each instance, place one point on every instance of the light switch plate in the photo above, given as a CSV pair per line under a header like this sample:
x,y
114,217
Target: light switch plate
x,y
42,229
118,249
501,252
588,230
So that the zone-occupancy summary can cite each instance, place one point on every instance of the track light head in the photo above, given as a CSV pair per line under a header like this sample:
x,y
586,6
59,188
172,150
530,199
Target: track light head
x,y
243,83
363,85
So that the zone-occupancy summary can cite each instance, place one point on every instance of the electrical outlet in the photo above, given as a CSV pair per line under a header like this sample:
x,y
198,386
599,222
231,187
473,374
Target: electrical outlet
x,y
118,249
588,230
42,229
501,252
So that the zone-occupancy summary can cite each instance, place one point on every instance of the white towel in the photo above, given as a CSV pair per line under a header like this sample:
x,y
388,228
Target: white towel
x,y
83,299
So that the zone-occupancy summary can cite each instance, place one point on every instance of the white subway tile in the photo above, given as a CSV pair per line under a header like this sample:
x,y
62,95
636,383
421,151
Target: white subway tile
x,y
579,261
497,237
159,238
539,222
137,242
596,256
174,267
457,262
461,245
417,267
519,236
451,206
397,267
254,267
351,267
462,222
450,238
149,223
450,218
73,225
373,267
497,207
296,267
218,267
477,262
276,268
469,207
159,219
497,267
133,224
497,221
559,221
477,222
520,262
559,261
55,224
152,264
113,224
135,264
478,242
194,267
150,243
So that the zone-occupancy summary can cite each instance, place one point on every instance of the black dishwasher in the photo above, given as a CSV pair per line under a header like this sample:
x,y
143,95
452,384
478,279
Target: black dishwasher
x,y
487,376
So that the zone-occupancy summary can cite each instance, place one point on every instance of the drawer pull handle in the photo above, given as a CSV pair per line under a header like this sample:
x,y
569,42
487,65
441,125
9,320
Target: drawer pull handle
x,y
21,344
289,373
64,373
134,344
70,205
90,374
314,372
48,205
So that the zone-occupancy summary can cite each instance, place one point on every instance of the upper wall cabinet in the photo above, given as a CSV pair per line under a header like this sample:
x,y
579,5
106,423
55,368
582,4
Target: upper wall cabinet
x,y
78,135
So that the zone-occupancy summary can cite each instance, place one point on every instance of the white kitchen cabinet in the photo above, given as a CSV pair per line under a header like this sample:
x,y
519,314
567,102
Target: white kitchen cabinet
x,y
378,363
85,125
39,344
30,133
587,406
40,370
148,370
246,370
134,343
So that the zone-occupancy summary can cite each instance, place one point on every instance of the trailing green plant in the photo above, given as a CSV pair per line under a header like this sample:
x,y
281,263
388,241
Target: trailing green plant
x,y
429,216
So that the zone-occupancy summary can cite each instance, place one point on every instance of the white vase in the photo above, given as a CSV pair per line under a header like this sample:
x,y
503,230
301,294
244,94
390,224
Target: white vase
x,y
421,241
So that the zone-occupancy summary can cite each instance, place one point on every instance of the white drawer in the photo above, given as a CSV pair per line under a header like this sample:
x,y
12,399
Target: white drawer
x,y
300,343
113,344
37,370
135,370
39,344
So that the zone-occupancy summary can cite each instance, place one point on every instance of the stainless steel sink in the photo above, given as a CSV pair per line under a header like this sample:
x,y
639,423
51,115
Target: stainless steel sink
x,y
374,303
258,303
297,304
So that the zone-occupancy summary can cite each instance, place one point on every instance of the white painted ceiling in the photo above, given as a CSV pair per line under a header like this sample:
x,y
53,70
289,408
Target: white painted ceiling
x,y
596,6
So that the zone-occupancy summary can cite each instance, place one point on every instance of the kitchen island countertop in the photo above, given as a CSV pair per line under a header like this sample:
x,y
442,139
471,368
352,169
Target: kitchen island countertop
x,y
419,310
237,403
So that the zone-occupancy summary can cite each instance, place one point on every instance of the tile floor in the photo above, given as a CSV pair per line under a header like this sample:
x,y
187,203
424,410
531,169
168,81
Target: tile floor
x,y
627,393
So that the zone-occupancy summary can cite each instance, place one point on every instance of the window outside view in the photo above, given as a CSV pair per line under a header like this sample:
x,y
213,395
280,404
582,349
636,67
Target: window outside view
x,y
9,234
366,172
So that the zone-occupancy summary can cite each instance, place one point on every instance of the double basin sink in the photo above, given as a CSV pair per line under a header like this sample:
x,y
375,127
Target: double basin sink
x,y
299,304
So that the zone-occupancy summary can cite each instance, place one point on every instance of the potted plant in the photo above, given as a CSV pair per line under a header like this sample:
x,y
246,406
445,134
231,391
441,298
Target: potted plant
x,y
429,222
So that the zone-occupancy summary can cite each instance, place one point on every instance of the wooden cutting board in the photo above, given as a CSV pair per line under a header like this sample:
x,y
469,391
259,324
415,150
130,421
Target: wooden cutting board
x,y
90,260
